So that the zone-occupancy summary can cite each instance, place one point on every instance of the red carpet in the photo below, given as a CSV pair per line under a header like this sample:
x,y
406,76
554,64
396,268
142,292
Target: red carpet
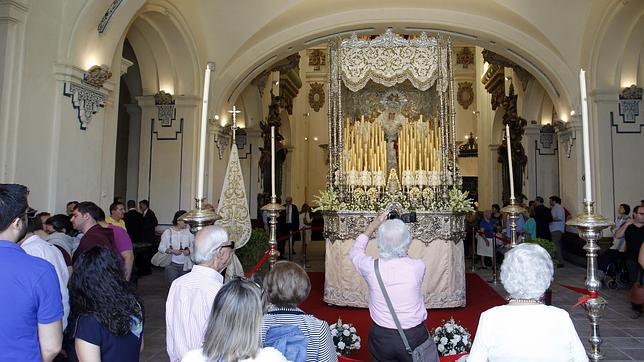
x,y
480,297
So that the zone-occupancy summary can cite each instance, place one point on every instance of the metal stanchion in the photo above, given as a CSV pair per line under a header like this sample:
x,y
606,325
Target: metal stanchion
x,y
590,226
473,248
494,279
304,245
290,246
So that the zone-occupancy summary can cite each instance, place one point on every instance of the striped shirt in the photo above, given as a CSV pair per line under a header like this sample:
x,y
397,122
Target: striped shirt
x,y
187,309
320,344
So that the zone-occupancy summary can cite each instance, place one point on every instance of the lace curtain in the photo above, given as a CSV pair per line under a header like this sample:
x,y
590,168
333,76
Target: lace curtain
x,y
391,59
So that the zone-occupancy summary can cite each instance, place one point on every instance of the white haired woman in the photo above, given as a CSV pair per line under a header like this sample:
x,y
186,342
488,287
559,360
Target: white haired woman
x,y
403,278
525,329
232,334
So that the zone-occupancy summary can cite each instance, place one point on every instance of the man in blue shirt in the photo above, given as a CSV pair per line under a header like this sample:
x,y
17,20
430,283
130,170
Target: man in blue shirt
x,y
31,310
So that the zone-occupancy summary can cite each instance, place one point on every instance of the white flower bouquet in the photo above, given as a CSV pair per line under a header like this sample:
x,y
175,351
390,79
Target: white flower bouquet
x,y
451,338
345,337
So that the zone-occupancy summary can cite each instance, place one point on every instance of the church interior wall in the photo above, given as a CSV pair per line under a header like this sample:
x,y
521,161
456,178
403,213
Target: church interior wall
x,y
64,32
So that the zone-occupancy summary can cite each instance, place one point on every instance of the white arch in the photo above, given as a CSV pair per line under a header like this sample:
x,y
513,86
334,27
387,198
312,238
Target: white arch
x,y
530,50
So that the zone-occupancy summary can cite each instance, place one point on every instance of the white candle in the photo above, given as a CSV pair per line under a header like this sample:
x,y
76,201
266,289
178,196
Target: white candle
x,y
204,128
586,136
273,194
509,147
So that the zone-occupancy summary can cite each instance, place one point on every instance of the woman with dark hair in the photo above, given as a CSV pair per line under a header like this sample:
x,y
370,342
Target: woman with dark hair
x,y
58,227
177,241
106,318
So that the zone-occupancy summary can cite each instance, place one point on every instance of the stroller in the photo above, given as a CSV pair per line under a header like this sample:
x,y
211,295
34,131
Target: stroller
x,y
613,264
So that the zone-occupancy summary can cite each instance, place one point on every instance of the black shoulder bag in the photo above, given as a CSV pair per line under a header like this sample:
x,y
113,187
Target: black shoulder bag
x,y
426,352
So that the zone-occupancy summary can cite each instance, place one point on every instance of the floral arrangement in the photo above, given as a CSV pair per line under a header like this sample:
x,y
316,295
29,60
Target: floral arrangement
x,y
458,200
326,200
451,338
345,337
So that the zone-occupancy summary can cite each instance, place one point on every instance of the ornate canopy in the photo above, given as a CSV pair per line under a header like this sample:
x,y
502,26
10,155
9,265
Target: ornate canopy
x,y
390,59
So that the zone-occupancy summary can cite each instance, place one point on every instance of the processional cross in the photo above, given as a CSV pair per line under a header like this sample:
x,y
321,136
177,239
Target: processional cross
x,y
234,127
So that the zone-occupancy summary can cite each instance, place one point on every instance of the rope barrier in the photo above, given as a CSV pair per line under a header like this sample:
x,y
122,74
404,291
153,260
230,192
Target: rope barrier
x,y
587,294
264,257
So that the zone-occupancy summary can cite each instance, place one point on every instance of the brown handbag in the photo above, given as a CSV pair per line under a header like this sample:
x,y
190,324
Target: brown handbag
x,y
637,294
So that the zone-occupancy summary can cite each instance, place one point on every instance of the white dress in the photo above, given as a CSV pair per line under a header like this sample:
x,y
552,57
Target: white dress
x,y
266,354
526,332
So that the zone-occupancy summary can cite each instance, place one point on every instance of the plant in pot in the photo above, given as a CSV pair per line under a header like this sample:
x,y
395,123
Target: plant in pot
x,y
552,250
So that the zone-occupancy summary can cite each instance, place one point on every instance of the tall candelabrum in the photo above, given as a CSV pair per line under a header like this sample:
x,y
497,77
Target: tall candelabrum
x,y
199,217
590,226
514,211
273,209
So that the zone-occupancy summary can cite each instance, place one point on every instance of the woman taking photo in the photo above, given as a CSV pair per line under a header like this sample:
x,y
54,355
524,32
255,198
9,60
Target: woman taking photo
x,y
402,277
232,334
525,329
106,318
177,241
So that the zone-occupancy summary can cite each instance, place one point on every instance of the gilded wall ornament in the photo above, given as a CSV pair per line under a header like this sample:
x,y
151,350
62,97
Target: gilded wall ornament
x,y
465,94
465,57
317,58
316,96
97,75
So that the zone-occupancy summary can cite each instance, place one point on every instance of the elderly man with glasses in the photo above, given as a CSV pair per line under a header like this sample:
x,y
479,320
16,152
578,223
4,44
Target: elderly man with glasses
x,y
191,296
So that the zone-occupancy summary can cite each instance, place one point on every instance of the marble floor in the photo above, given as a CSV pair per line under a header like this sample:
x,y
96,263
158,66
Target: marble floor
x,y
623,337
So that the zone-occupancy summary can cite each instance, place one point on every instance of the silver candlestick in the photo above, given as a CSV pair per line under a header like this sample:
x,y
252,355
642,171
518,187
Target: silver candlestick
x,y
590,226
200,217
514,211
273,212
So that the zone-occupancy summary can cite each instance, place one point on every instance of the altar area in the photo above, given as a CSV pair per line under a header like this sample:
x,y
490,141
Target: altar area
x,y
392,147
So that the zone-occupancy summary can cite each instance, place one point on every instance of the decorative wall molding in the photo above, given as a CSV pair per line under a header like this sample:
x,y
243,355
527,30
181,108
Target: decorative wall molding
x,y
87,92
465,94
86,100
166,108
547,143
567,138
316,96
13,11
102,25
628,109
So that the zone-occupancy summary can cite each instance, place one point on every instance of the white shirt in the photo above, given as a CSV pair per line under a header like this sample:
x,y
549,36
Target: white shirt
x,y
528,332
267,354
187,309
178,239
36,246
558,212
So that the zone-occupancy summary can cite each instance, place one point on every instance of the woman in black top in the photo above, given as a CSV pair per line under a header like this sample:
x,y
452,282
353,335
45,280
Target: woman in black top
x,y
106,317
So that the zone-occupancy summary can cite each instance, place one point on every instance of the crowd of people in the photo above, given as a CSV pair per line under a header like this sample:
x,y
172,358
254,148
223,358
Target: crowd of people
x,y
71,298
68,280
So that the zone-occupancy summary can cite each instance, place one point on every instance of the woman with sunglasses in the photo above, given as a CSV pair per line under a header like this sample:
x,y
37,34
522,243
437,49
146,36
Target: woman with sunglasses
x,y
232,334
